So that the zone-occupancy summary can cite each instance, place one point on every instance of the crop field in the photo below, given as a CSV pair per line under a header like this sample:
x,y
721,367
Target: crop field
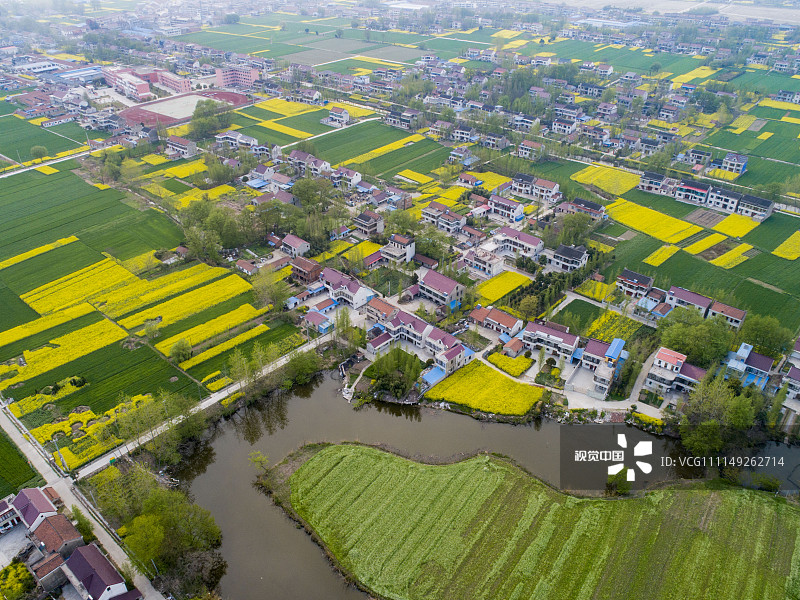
x,y
309,122
663,204
354,141
17,135
660,226
498,286
488,530
15,472
479,387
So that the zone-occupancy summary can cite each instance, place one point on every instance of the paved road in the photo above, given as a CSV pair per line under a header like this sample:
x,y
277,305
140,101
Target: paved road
x,y
102,462
64,487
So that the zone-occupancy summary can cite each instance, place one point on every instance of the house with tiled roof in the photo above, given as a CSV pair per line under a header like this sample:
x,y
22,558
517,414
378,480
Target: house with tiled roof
x,y
344,289
734,316
749,366
681,297
569,258
57,534
634,284
95,578
671,373
496,320
294,246
554,338
441,289
369,223
33,507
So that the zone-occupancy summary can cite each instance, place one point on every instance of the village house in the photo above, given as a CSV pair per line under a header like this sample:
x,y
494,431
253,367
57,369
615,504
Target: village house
x,y
306,270
634,284
603,359
379,310
496,320
485,261
749,366
678,296
517,242
505,208
294,246
441,289
587,207
399,250
33,507
95,578
529,149
554,338
569,258
734,316
247,267
318,320
345,289
369,223
671,373
181,146
443,218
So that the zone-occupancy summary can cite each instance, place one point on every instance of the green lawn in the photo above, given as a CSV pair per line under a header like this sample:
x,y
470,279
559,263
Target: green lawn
x,y
260,113
44,268
483,528
19,136
308,122
353,141
262,134
15,311
584,310
15,472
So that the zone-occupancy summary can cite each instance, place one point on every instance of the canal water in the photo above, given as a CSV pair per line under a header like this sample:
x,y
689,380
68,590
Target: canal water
x,y
268,556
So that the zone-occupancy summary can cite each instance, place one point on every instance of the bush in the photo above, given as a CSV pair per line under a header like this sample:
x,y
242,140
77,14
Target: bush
x,y
15,581
83,525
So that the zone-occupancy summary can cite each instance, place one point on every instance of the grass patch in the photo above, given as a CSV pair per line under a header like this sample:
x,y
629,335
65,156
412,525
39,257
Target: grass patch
x,y
15,472
489,530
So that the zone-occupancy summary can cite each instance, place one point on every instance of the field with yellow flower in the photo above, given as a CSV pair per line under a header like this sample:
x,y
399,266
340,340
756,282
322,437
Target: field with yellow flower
x,y
479,387
736,225
614,181
733,257
661,255
493,289
789,248
653,223
596,290
612,325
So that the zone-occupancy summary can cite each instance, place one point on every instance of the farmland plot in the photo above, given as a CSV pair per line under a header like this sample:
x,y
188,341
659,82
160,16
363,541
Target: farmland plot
x,y
488,530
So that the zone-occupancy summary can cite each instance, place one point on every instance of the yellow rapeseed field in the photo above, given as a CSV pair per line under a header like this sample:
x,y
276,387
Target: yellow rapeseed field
x,y
661,255
732,257
78,286
65,349
788,249
653,223
280,128
385,149
175,309
614,181
20,332
736,225
224,346
705,243
206,331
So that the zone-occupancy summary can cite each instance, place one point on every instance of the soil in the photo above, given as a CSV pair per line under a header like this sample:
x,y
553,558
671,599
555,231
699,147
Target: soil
x,y
704,218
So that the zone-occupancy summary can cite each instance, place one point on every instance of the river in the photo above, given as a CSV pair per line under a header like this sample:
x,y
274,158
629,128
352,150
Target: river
x,y
268,556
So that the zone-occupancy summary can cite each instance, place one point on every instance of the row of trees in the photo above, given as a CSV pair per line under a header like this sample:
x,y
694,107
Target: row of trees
x,y
161,527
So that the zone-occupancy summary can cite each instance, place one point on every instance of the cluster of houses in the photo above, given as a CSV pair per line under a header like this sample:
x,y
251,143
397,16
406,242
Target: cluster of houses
x,y
656,303
56,554
705,195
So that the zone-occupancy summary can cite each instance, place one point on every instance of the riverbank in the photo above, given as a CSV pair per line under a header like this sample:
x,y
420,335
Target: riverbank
x,y
483,528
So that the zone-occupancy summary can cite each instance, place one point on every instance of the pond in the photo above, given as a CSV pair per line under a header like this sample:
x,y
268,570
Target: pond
x,y
268,556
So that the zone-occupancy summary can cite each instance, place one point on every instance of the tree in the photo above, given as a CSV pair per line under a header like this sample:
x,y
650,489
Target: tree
x,y
269,289
703,440
16,581
776,408
618,485
703,341
203,244
528,306
145,537
181,351
83,525
231,18
574,229
38,152
766,334
240,368
151,329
